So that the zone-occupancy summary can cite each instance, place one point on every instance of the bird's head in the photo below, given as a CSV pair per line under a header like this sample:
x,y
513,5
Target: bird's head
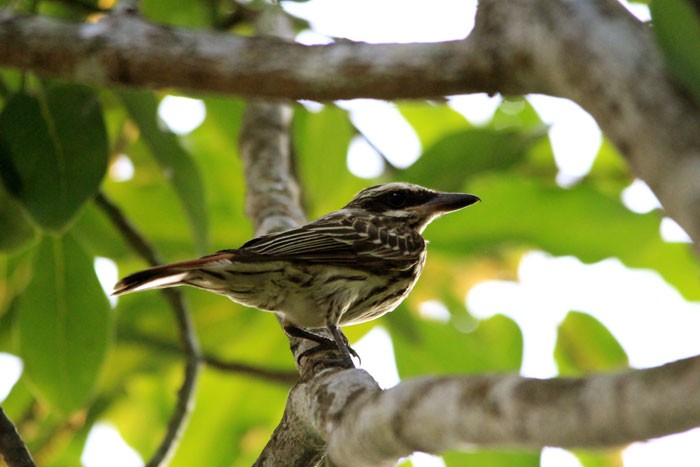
x,y
413,204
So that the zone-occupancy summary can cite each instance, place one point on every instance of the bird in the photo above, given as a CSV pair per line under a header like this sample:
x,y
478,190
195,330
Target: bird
x,y
347,267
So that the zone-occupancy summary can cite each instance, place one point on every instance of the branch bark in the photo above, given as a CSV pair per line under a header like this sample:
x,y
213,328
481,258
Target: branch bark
x,y
368,427
12,449
128,50
272,203
517,47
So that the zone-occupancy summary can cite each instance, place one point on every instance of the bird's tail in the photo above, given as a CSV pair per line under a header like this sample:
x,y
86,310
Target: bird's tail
x,y
155,278
168,275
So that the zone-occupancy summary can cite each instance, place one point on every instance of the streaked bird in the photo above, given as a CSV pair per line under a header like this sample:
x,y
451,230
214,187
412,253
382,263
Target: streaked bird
x,y
347,267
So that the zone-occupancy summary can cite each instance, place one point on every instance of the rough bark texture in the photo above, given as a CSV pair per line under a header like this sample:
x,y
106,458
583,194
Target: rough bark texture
x,y
272,203
369,427
593,52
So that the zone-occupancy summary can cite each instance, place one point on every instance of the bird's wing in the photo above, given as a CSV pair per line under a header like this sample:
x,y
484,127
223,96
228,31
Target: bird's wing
x,y
341,238
327,239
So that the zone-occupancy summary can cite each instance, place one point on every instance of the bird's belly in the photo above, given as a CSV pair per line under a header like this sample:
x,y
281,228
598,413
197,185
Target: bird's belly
x,y
311,296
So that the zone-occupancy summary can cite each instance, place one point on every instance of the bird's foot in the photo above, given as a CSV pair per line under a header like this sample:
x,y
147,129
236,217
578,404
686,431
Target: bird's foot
x,y
324,343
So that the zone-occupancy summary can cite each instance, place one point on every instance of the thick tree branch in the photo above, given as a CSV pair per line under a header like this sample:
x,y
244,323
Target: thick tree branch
x,y
12,449
596,54
188,336
128,50
365,426
592,52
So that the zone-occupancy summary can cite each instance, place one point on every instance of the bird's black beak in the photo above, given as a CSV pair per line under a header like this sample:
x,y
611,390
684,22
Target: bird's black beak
x,y
447,202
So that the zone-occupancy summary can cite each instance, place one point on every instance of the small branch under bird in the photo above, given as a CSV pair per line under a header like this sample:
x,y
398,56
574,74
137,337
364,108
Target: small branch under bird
x,y
347,267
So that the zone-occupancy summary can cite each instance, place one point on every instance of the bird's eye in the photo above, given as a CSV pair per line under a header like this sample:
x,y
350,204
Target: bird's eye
x,y
396,199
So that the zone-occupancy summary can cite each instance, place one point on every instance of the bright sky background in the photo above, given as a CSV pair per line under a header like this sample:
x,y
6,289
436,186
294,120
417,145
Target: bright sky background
x,y
626,301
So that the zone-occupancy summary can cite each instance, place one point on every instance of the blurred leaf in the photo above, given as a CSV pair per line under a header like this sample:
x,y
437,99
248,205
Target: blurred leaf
x,y
516,113
468,153
17,232
230,408
677,30
97,234
15,274
492,458
190,13
176,163
423,346
600,458
63,324
143,413
580,221
215,143
609,163
19,401
432,122
584,345
53,152
70,10
321,141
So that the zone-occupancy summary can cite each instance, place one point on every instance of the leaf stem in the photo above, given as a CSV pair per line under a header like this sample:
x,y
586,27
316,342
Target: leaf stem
x,y
188,337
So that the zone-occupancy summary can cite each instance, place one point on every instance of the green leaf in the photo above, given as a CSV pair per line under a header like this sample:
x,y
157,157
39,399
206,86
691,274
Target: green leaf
x,y
677,30
216,141
17,232
600,457
584,345
516,113
189,13
432,122
19,401
64,325
492,458
255,406
468,153
581,221
53,152
321,141
177,164
431,347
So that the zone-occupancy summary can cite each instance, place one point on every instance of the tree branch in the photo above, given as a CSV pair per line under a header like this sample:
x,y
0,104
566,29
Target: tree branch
x,y
272,199
12,449
287,378
128,50
365,426
188,337
592,52
517,47
272,203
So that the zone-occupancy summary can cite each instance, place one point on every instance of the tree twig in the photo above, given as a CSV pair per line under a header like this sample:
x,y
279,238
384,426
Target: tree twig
x,y
516,47
188,337
127,230
286,378
272,203
12,448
